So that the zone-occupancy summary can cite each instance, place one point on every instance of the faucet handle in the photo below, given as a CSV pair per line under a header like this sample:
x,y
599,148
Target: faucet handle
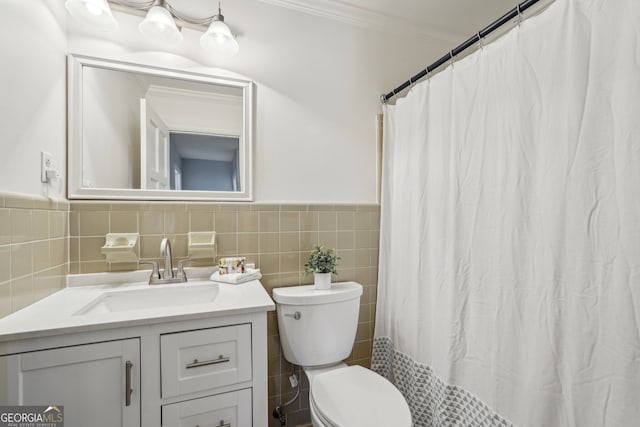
x,y
155,272
180,273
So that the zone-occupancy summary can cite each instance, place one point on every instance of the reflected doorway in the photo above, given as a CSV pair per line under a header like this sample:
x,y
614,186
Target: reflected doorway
x,y
204,162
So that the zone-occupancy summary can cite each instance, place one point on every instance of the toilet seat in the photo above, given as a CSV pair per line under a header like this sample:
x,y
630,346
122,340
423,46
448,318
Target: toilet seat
x,y
357,397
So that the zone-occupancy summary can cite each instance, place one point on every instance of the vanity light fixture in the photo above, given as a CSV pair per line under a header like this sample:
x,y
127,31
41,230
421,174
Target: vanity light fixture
x,y
96,13
218,37
159,23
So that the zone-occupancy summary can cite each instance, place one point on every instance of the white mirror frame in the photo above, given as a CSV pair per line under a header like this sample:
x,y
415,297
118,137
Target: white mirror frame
x,y
75,190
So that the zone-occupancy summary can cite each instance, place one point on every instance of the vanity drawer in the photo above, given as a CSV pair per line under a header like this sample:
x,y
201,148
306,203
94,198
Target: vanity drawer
x,y
205,359
228,410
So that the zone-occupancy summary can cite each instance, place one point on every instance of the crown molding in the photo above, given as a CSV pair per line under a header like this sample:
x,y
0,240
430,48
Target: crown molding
x,y
194,95
366,18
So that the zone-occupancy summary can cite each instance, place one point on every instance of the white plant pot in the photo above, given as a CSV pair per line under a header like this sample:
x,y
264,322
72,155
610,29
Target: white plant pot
x,y
321,281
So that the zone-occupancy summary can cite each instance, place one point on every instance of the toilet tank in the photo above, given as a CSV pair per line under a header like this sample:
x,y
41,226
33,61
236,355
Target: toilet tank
x,y
318,327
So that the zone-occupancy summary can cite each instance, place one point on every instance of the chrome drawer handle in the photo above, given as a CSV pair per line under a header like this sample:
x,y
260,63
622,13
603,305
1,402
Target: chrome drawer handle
x,y
127,383
197,364
222,424
297,315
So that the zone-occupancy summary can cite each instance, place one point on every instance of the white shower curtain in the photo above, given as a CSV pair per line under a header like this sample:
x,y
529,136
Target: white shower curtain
x,y
509,282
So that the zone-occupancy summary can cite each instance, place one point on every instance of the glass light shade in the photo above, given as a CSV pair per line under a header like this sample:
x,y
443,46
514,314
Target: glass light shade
x,y
218,38
160,26
96,13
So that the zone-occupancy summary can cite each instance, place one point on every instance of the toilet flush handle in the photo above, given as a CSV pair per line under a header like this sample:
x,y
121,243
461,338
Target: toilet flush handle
x,y
295,315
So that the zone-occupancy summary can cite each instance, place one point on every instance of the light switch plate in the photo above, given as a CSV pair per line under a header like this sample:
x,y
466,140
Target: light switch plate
x,y
46,162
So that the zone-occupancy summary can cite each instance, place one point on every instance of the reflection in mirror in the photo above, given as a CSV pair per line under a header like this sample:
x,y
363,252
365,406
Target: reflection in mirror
x,y
203,162
147,133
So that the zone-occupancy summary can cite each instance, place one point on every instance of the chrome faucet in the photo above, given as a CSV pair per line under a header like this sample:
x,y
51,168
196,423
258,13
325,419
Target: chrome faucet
x,y
169,275
165,251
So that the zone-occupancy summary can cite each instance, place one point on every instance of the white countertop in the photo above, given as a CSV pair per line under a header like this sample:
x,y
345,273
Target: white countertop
x,y
57,313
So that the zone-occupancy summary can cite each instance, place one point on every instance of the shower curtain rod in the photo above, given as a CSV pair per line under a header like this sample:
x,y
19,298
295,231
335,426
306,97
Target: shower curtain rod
x,y
516,11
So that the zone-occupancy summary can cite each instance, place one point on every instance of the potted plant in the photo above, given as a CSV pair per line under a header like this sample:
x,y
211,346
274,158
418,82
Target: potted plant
x,y
322,262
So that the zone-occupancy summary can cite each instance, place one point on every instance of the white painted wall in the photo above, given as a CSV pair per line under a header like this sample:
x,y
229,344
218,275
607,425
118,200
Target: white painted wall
x,y
111,129
317,91
33,100
317,88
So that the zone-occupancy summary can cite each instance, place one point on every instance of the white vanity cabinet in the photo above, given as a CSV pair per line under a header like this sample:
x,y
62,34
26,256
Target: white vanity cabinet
x,y
205,371
152,358
94,382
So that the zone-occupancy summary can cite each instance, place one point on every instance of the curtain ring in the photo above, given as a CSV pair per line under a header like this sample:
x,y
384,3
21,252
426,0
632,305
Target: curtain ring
x,y
480,41
519,14
451,57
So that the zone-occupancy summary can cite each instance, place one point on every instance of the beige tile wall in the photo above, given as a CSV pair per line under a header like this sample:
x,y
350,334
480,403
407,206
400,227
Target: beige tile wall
x,y
33,249
277,237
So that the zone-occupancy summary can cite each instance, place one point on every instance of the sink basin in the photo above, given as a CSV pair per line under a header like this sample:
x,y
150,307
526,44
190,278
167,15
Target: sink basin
x,y
157,296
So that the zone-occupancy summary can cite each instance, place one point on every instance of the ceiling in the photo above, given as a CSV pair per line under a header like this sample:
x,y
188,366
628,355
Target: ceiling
x,y
205,147
450,20
446,20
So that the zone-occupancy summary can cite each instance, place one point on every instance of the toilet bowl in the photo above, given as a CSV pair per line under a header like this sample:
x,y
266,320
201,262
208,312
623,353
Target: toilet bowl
x,y
317,332
353,396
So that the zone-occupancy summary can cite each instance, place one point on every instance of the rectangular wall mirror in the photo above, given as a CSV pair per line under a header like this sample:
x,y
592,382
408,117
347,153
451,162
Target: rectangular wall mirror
x,y
144,133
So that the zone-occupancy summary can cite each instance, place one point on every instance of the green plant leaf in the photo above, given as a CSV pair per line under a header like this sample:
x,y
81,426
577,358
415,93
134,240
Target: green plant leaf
x,y
321,260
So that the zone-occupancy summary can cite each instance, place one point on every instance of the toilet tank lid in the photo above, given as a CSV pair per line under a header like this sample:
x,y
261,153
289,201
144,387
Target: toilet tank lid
x,y
307,295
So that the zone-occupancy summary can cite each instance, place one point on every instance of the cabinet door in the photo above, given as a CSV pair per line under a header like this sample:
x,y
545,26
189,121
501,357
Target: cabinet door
x,y
231,409
90,381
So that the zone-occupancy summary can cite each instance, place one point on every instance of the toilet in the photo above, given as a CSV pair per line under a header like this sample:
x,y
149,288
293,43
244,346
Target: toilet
x,y
317,332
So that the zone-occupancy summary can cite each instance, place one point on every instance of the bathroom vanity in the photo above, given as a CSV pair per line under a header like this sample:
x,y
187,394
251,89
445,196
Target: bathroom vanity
x,y
137,355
